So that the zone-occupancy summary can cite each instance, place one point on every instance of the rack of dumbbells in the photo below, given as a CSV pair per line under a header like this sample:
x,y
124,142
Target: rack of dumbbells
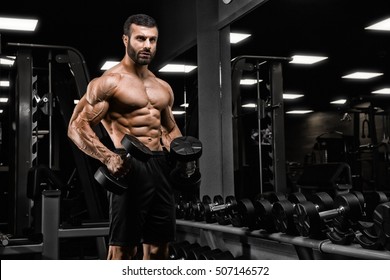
x,y
350,225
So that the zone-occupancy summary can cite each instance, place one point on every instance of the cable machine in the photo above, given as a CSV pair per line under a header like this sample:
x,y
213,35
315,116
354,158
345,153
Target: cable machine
x,y
267,127
35,111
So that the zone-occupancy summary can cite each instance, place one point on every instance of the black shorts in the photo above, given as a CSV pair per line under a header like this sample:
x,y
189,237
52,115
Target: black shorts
x,y
146,211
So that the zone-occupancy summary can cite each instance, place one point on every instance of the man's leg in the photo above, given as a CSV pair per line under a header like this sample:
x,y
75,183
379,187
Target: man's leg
x,y
156,251
121,253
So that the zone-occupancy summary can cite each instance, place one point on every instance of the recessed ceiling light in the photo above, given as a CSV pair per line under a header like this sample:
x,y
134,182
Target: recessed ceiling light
x,y
177,68
18,24
3,99
1,111
362,75
299,112
382,25
185,105
9,60
340,101
382,91
4,83
249,81
306,59
108,64
291,95
178,112
249,105
238,37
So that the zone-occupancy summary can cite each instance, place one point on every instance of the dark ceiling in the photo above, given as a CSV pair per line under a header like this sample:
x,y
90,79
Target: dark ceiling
x,y
331,28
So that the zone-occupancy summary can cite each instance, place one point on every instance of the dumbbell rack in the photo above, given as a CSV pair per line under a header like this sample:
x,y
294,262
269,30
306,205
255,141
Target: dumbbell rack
x,y
237,239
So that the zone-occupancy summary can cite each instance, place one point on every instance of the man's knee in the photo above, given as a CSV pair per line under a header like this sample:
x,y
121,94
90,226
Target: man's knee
x,y
121,253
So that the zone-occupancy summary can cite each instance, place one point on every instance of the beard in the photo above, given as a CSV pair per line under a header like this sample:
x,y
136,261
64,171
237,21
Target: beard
x,y
143,57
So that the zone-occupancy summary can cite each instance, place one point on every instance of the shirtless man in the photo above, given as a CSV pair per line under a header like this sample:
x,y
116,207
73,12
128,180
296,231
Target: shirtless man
x,y
130,99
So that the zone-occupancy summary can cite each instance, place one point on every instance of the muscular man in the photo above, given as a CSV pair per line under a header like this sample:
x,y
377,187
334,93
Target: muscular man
x,y
130,99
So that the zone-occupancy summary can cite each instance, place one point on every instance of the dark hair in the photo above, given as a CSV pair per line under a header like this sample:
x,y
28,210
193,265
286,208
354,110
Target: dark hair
x,y
138,19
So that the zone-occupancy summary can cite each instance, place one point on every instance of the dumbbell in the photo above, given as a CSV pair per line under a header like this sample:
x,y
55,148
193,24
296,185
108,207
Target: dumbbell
x,y
195,253
185,151
381,218
216,211
283,212
240,216
173,248
181,207
310,217
368,233
183,251
134,148
260,215
4,239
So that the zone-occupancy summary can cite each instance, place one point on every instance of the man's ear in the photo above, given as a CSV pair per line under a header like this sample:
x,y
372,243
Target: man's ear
x,y
125,39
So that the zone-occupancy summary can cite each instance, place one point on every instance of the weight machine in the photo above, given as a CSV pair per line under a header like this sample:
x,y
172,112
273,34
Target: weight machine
x,y
259,148
48,80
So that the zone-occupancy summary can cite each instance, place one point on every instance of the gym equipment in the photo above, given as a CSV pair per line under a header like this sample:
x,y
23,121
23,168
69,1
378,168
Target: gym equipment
x,y
371,227
309,217
195,253
342,231
184,250
200,212
4,239
261,217
173,248
134,148
332,177
239,215
218,210
283,211
185,151
381,218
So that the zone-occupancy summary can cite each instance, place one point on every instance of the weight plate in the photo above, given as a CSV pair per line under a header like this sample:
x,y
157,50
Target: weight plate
x,y
186,148
282,212
136,148
307,219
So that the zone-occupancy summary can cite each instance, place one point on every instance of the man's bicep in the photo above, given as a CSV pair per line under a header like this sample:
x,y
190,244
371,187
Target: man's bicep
x,y
94,112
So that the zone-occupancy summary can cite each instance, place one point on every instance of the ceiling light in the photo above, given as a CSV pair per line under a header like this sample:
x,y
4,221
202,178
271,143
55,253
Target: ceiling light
x,y
307,59
177,68
382,25
9,60
291,96
238,37
382,91
3,99
18,24
178,112
1,111
4,83
340,101
108,64
362,75
299,112
249,81
185,105
249,105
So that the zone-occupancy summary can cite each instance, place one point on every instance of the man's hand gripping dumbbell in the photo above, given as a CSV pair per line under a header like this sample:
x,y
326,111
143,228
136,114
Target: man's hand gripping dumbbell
x,y
185,151
114,183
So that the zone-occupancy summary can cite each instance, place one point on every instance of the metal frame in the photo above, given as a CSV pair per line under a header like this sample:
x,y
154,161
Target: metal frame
x,y
274,65
323,246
